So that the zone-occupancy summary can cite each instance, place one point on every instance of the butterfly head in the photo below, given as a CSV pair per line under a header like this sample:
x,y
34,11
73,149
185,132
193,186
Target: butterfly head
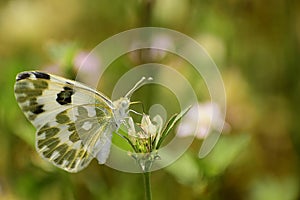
x,y
121,109
122,104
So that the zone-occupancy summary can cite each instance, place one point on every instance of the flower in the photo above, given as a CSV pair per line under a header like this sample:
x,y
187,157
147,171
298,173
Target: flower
x,y
145,136
144,139
88,67
201,120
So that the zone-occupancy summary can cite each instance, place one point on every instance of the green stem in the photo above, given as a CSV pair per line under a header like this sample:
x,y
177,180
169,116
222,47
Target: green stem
x,y
147,185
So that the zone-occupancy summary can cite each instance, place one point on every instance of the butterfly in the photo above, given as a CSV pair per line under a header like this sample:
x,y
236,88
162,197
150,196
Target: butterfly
x,y
74,122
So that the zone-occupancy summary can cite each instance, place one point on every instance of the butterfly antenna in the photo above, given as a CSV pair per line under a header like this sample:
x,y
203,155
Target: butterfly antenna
x,y
138,102
140,83
136,112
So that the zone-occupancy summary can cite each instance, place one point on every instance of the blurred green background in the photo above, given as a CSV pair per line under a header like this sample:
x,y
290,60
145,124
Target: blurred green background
x,y
255,44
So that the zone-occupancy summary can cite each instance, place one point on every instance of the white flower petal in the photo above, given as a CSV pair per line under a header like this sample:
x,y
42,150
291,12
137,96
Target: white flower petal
x,y
159,123
201,120
131,129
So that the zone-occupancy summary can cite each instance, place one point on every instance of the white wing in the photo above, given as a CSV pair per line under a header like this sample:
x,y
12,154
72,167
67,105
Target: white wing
x,y
74,122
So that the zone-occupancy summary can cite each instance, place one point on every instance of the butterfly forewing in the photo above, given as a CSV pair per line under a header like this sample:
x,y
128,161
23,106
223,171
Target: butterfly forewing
x,y
74,122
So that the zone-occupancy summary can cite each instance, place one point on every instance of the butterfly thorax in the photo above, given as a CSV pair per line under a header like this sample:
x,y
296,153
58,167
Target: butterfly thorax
x,y
121,110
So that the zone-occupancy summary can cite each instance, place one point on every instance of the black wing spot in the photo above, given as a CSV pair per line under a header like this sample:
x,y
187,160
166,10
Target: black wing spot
x,y
64,97
37,109
74,137
23,75
41,75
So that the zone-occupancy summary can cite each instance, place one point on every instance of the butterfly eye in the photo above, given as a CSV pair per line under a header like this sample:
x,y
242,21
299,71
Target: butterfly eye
x,y
124,104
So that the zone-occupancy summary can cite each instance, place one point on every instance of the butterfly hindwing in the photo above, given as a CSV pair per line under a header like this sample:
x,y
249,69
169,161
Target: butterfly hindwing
x,y
73,139
74,122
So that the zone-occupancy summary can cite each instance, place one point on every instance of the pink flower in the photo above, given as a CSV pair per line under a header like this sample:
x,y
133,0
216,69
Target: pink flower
x,y
88,67
201,120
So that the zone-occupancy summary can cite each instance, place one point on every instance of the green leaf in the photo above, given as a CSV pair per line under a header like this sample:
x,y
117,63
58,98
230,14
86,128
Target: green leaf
x,y
224,153
274,188
170,124
123,134
185,169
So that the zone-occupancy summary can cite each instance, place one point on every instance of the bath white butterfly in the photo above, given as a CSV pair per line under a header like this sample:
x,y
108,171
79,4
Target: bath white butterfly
x,y
74,122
